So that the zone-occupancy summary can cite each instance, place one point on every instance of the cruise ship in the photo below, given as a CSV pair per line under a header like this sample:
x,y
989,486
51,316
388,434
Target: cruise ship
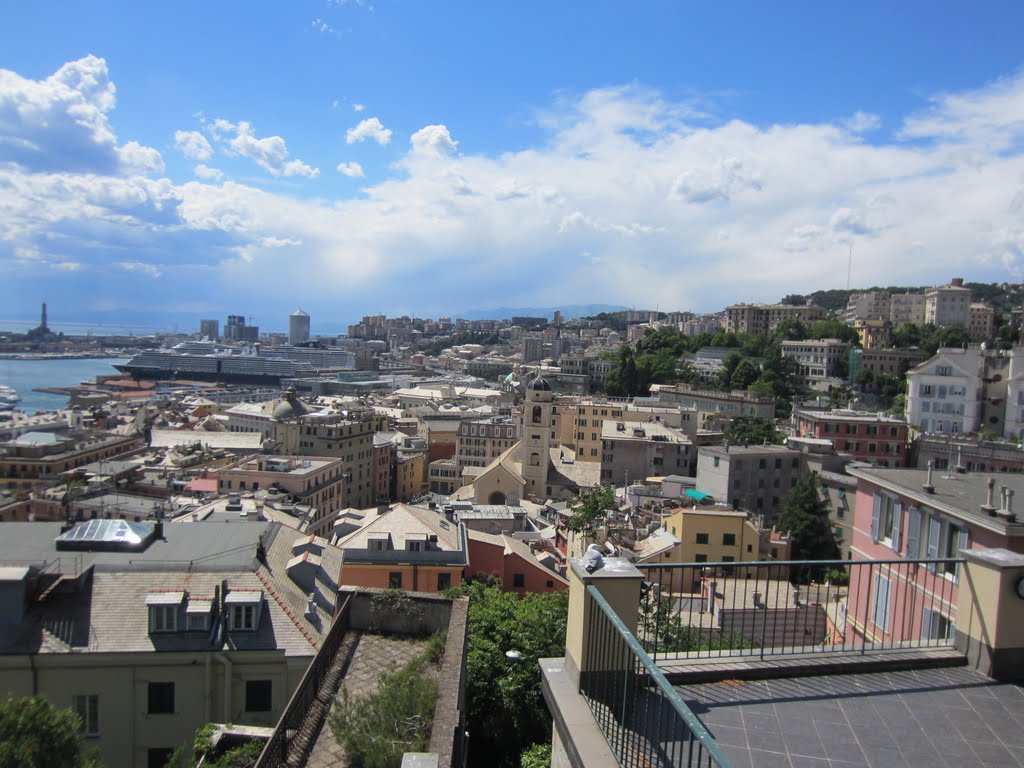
x,y
207,361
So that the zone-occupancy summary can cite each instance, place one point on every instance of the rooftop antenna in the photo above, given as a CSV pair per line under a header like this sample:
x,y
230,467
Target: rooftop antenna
x,y
849,266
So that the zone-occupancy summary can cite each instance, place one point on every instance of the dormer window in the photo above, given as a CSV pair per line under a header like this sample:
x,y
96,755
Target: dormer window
x,y
243,609
197,615
163,610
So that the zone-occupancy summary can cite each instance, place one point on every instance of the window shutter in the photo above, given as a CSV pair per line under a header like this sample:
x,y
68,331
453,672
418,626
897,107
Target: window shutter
x,y
876,513
934,531
897,525
913,532
926,625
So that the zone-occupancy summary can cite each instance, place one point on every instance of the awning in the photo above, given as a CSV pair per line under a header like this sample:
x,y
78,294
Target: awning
x,y
697,495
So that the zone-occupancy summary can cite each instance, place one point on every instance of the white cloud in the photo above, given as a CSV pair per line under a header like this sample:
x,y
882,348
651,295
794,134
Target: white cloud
x,y
358,107
270,152
352,169
433,141
862,122
627,197
370,128
207,173
322,26
193,145
61,123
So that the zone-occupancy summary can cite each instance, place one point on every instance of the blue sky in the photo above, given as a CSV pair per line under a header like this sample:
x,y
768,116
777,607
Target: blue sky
x,y
161,162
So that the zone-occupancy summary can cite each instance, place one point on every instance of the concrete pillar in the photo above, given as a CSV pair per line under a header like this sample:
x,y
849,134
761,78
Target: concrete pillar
x,y
618,581
990,612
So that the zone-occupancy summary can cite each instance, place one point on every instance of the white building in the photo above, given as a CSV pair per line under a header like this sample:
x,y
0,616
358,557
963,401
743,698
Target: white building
x,y
948,305
819,359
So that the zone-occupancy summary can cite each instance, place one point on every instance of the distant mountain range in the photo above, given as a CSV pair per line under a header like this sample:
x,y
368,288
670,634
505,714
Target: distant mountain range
x,y
569,312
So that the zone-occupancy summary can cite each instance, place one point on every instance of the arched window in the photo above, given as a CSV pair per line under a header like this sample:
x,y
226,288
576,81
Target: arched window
x,y
534,459
536,414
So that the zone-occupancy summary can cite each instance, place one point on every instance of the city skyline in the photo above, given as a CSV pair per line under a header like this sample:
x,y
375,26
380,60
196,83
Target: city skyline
x,y
168,164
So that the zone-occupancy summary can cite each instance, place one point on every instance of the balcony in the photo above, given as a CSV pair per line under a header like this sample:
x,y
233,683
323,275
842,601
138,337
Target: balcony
x,y
792,663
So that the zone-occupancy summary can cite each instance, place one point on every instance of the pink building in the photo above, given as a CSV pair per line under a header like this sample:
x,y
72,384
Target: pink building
x,y
512,562
905,515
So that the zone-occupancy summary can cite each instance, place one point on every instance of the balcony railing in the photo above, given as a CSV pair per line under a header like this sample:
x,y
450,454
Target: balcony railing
x,y
776,608
644,720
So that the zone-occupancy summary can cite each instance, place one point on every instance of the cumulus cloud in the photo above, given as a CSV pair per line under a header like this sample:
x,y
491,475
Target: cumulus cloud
x,y
862,122
207,173
270,152
193,145
433,141
658,204
61,123
371,128
352,169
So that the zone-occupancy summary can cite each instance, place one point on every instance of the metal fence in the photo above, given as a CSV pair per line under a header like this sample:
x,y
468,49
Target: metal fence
x,y
645,721
275,751
775,608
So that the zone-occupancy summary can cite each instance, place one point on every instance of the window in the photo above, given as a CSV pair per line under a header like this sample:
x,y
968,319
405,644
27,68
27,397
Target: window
x,y
880,616
935,626
258,695
716,461
729,539
414,546
700,558
728,559
703,538
395,580
157,757
161,699
87,707
243,617
163,618
518,580
886,520
444,581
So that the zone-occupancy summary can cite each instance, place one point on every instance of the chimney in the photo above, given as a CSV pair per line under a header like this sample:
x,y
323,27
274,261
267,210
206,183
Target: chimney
x,y
957,282
1007,510
987,507
928,487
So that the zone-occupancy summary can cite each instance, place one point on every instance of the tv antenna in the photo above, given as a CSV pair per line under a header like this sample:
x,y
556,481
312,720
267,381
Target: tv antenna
x,y
849,267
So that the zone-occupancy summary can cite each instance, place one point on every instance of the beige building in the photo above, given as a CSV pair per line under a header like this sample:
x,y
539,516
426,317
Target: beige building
x,y
481,441
763,319
314,481
948,305
36,459
149,634
906,309
636,450
981,320
821,360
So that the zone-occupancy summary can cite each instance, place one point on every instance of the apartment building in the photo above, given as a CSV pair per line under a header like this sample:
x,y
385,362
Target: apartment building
x,y
150,632
35,460
967,452
763,319
894,362
312,480
731,404
481,441
636,450
911,514
981,321
875,438
959,391
821,360
756,478
948,305
907,309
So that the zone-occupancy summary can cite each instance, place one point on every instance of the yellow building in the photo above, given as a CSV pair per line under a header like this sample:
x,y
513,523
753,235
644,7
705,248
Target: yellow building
x,y
410,474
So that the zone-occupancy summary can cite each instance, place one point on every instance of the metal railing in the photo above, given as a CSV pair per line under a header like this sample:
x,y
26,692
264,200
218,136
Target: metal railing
x,y
275,751
776,608
645,721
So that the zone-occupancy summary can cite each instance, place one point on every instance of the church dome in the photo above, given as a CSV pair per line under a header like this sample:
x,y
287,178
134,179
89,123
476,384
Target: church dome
x,y
291,407
540,384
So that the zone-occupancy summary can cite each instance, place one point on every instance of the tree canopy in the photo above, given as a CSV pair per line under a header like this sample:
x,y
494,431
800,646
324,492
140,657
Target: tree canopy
x,y
505,707
36,734
805,517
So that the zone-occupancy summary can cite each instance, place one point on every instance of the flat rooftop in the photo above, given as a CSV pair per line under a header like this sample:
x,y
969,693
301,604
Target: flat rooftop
x,y
927,718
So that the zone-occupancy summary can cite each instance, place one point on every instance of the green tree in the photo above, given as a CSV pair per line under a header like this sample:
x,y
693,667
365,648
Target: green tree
x,y
835,329
752,430
505,707
590,509
36,734
805,517
745,374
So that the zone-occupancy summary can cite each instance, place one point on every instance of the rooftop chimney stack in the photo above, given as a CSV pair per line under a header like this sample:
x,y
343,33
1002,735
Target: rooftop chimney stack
x,y
987,507
928,487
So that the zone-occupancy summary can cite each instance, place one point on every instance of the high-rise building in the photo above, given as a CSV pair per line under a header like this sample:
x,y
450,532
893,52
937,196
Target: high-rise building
x,y
209,329
298,327
233,327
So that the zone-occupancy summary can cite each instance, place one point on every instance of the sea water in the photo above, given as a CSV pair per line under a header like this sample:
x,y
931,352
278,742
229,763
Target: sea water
x,y
24,376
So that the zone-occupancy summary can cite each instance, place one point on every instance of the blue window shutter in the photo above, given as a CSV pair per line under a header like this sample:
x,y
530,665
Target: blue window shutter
x,y
876,513
913,532
881,612
934,531
926,625
897,525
